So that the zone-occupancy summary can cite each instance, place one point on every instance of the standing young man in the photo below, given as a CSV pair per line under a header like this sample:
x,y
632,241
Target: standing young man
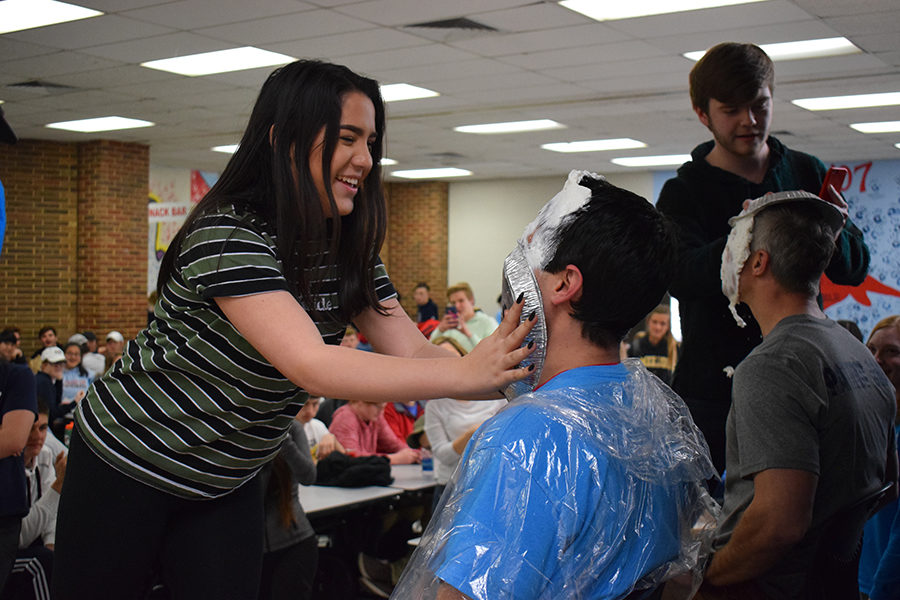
x,y
731,92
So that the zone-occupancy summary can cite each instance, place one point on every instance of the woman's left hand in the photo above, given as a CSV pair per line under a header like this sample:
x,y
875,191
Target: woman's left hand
x,y
494,363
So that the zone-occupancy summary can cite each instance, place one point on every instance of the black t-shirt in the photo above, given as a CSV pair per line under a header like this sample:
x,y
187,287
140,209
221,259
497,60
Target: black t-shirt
x,y
17,392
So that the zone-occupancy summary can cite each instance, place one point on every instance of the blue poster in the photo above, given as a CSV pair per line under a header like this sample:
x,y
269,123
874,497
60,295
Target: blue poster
x,y
873,193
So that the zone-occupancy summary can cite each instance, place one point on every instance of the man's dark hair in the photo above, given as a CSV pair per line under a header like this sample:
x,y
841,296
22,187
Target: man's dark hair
x,y
45,329
731,73
42,407
625,250
422,284
799,243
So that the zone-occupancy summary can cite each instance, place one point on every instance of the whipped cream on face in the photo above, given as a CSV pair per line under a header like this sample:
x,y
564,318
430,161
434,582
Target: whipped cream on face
x,y
539,240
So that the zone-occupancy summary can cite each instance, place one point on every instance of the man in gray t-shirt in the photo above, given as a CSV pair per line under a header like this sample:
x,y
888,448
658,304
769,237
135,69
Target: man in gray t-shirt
x,y
809,431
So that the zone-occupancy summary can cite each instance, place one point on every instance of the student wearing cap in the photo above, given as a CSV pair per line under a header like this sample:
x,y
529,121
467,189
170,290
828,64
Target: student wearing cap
x,y
115,343
810,430
48,339
10,349
731,92
92,360
76,378
49,384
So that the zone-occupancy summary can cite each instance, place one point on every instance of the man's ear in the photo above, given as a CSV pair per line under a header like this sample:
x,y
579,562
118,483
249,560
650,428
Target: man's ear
x,y
567,285
702,115
759,262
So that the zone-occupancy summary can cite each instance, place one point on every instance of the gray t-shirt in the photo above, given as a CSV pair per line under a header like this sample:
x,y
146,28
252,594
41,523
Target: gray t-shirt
x,y
810,397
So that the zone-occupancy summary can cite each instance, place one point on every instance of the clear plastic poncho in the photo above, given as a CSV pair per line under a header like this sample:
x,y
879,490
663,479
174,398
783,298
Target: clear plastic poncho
x,y
574,493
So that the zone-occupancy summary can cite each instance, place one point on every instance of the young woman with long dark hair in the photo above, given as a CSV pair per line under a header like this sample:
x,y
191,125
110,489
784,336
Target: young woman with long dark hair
x,y
255,292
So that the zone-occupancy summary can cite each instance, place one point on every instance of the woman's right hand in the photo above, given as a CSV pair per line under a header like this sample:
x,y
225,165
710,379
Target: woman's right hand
x,y
494,363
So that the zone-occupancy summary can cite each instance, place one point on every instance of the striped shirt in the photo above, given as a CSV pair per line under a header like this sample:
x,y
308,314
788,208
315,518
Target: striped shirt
x,y
192,408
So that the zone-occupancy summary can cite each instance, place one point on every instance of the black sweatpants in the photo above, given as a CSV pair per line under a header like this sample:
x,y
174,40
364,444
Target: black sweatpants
x,y
114,535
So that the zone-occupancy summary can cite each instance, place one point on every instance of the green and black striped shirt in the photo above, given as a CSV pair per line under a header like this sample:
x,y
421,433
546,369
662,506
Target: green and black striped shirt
x,y
192,408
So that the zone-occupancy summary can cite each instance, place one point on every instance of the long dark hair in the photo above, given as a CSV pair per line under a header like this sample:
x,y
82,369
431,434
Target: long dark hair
x,y
295,103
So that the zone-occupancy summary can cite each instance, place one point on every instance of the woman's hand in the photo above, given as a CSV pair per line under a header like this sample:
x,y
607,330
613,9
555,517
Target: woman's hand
x,y
494,363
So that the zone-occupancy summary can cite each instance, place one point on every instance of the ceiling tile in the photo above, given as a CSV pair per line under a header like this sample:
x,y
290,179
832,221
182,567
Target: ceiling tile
x,y
195,14
105,29
295,26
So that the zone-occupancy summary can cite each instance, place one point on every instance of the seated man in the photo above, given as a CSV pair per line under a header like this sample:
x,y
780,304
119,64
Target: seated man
x,y
592,485
810,429
45,473
464,323
360,427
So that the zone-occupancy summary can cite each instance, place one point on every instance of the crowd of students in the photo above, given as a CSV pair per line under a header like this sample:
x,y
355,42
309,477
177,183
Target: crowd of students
x,y
593,482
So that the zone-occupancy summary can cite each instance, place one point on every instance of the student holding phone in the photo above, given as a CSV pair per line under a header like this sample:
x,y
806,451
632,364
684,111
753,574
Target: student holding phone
x,y
731,92
462,321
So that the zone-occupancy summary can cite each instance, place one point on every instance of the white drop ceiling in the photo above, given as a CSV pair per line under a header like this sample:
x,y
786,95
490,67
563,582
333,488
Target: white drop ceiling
x,y
602,80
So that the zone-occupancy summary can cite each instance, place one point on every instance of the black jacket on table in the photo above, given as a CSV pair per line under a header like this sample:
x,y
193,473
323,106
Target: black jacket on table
x,y
700,200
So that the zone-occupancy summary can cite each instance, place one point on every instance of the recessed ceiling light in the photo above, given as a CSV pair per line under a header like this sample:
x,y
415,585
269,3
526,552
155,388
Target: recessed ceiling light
x,y
386,162
797,50
896,145
610,11
432,173
394,92
652,161
594,145
220,61
841,102
16,15
227,148
879,127
100,124
510,127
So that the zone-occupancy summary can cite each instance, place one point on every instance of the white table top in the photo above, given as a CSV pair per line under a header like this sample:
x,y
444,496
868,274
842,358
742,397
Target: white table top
x,y
412,477
407,478
319,498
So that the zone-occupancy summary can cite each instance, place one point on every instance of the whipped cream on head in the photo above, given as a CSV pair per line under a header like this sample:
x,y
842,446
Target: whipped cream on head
x,y
737,248
737,251
539,240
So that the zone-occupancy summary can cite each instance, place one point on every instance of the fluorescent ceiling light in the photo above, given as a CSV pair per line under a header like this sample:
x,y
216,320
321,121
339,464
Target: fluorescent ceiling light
x,y
220,61
797,50
652,161
610,11
879,127
227,148
510,127
432,173
16,15
841,102
594,145
100,124
394,92
386,162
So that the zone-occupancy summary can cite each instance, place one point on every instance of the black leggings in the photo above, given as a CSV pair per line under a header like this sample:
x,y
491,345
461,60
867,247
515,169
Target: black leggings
x,y
116,535
288,573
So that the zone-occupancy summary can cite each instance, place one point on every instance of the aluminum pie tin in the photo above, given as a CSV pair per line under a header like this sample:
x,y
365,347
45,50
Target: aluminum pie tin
x,y
518,278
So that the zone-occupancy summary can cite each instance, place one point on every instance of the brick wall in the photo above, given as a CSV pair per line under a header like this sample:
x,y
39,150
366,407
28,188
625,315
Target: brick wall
x,y
113,186
417,239
74,255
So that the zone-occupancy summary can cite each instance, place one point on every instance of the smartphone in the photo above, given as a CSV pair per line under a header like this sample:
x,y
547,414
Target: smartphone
x,y
834,177
451,310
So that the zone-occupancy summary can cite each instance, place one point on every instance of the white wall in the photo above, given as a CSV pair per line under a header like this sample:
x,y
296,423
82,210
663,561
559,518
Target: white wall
x,y
486,218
